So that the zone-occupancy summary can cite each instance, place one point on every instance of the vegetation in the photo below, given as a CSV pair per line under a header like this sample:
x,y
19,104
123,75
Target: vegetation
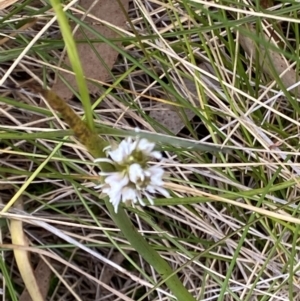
x,y
214,85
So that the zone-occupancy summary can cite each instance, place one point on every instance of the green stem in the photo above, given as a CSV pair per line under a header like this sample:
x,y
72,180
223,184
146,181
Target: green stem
x,y
74,60
149,254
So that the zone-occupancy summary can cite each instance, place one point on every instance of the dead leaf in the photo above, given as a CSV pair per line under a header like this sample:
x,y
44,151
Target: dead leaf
x,y
275,145
266,3
108,11
4,186
42,274
170,116
268,57
109,273
5,3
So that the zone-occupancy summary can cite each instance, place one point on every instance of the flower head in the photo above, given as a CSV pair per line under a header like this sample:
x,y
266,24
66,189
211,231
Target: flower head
x,y
130,151
133,177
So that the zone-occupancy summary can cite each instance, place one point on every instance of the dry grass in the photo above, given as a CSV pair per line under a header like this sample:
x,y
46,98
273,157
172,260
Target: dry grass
x,y
231,228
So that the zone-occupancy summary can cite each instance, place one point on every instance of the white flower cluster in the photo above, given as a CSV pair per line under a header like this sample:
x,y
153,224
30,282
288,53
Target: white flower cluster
x,y
133,177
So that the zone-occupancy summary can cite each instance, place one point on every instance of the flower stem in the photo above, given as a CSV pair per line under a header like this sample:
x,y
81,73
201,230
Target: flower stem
x,y
149,254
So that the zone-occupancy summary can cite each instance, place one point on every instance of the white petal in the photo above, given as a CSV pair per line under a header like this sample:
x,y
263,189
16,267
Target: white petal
x,y
116,183
139,198
147,174
114,195
105,174
99,186
116,206
156,171
103,160
150,198
156,181
145,146
106,190
150,188
115,200
106,148
117,155
128,147
156,154
117,179
156,175
163,191
136,173
123,151
128,194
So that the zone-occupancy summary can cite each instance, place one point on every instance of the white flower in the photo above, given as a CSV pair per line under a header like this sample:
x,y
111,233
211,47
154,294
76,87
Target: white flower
x,y
128,150
133,177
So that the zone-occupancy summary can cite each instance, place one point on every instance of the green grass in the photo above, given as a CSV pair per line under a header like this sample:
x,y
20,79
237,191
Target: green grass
x,y
231,229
